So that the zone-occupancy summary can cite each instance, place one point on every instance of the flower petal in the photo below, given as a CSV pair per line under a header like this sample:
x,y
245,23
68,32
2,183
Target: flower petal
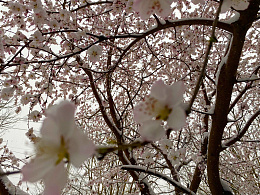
x,y
50,130
152,130
159,90
141,113
80,148
177,118
63,114
37,169
175,94
226,5
55,180
240,5
165,8
142,6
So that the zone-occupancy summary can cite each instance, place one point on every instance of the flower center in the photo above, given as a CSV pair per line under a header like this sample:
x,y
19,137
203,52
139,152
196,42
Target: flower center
x,y
156,4
94,53
164,113
63,152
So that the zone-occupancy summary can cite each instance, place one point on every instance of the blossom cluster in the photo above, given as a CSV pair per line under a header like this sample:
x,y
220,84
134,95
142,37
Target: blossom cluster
x,y
164,104
163,7
149,7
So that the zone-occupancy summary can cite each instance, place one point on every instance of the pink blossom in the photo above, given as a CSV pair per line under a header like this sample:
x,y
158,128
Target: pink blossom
x,y
148,157
94,53
149,7
174,157
236,4
7,93
26,99
35,116
61,142
163,104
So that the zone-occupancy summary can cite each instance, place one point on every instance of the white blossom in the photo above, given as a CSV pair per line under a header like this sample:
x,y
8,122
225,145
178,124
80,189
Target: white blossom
x,y
35,116
174,157
26,99
94,53
165,145
7,93
149,7
60,142
148,157
163,104
37,36
236,4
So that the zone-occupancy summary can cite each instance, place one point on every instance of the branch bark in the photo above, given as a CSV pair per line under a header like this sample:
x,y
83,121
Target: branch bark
x,y
226,80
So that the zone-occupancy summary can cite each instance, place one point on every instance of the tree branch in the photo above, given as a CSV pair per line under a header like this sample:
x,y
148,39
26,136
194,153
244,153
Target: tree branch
x,y
226,80
164,177
241,133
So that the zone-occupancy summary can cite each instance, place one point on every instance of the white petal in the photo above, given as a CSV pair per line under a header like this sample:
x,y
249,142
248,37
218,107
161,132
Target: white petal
x,y
55,180
142,6
198,1
137,4
240,5
166,8
50,130
37,169
152,130
140,113
226,5
158,90
177,118
175,94
65,118
80,148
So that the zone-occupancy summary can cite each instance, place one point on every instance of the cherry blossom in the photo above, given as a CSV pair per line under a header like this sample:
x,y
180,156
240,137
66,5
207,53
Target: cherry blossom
x,y
236,4
163,104
35,116
7,93
60,142
9,82
94,53
26,99
37,36
174,157
165,145
32,137
148,157
149,7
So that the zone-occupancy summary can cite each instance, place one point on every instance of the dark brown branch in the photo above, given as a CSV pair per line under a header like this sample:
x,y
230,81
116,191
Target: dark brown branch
x,y
227,78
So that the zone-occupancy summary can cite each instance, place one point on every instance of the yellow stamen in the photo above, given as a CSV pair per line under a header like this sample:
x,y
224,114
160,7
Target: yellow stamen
x,y
164,113
63,152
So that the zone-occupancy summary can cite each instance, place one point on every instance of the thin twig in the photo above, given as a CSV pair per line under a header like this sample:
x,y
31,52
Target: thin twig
x,y
202,74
